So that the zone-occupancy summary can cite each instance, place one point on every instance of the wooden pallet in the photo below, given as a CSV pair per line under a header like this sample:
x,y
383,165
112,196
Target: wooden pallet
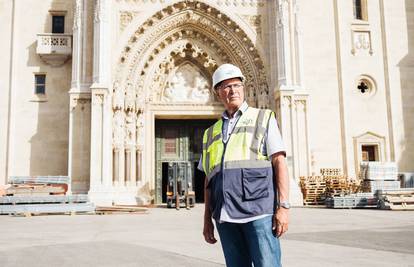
x,y
121,209
396,199
331,171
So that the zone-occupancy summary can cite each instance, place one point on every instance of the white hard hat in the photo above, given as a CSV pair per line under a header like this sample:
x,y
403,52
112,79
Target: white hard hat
x,y
226,71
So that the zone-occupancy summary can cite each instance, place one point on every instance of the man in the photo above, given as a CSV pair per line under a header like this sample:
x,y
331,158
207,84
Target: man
x,y
246,186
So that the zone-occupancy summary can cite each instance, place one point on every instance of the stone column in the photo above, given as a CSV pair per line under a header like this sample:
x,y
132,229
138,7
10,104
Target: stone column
x,y
80,97
288,89
101,130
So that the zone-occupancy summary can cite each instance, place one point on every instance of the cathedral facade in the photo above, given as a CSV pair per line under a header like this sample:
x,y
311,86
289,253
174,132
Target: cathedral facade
x,y
109,92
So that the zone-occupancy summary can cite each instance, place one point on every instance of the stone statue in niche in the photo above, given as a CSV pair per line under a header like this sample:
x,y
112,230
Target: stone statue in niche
x,y
130,128
118,98
140,130
118,128
129,97
263,99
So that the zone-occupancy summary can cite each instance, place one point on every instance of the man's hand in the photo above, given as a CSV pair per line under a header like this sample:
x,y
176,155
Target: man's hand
x,y
208,231
280,221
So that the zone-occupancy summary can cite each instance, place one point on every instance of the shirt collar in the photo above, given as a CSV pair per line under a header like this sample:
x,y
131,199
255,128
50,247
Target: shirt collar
x,y
241,110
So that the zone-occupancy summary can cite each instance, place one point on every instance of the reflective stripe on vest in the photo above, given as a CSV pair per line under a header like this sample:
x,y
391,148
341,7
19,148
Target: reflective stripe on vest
x,y
243,149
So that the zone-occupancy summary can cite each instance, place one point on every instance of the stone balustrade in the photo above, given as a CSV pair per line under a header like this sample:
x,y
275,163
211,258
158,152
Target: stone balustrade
x,y
54,48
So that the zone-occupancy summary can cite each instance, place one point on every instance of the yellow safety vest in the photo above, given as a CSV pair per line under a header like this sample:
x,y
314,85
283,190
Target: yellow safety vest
x,y
243,148
240,176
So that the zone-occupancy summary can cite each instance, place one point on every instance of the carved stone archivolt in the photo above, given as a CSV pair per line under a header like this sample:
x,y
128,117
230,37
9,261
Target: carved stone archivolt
x,y
197,23
169,59
243,3
255,22
125,18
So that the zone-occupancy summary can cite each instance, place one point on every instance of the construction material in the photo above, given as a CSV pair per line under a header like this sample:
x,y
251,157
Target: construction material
x,y
331,183
27,205
121,209
396,199
379,176
373,186
331,172
34,189
37,185
39,180
374,170
336,186
28,210
313,190
358,200
406,179
43,199
42,195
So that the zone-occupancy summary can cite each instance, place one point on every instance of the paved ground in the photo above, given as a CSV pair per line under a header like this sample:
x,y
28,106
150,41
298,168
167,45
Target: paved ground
x,y
166,237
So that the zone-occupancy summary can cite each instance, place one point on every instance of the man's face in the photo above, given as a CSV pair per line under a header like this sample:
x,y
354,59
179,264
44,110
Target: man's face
x,y
231,93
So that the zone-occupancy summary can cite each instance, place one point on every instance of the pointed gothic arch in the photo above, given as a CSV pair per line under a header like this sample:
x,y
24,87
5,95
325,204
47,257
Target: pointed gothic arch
x,y
187,33
220,38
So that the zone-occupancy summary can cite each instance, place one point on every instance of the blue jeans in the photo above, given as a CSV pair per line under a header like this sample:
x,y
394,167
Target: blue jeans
x,y
247,243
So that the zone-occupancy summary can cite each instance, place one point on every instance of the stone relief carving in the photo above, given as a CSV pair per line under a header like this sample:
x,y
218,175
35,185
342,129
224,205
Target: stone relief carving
x,y
130,129
188,87
78,15
177,90
125,17
221,40
118,96
283,13
255,22
243,3
201,92
75,101
140,131
361,41
129,97
97,99
263,100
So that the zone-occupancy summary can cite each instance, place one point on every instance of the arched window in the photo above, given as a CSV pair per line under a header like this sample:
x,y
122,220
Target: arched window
x,y
360,10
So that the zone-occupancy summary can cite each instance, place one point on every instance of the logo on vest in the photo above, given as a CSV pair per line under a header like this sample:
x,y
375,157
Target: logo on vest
x,y
246,121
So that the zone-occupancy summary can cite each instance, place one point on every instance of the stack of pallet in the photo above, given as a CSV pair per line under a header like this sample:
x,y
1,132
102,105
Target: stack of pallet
x,y
337,186
396,199
331,172
41,194
313,190
379,176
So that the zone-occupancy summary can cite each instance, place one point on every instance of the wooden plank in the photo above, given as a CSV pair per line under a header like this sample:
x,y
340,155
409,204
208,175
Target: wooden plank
x,y
121,209
399,199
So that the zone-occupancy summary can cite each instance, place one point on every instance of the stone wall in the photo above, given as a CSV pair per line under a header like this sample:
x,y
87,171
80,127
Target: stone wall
x,y
39,124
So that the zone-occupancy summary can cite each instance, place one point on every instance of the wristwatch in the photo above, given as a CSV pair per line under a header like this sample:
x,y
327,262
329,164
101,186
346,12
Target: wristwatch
x,y
284,204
